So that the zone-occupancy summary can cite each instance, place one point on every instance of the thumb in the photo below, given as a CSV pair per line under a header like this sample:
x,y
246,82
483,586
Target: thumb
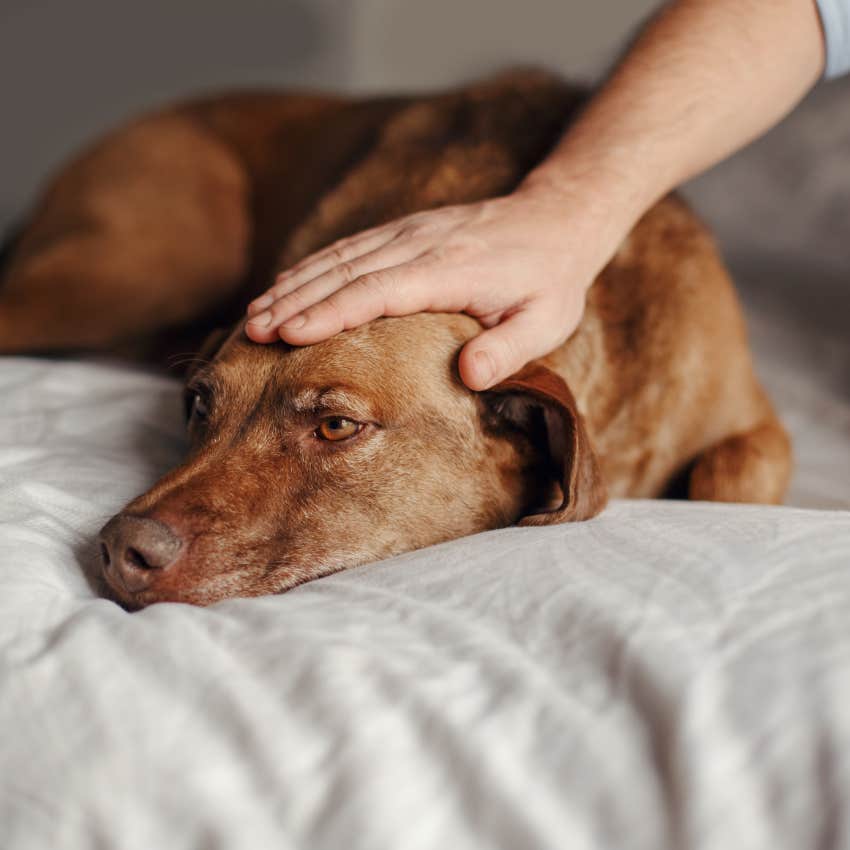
x,y
497,353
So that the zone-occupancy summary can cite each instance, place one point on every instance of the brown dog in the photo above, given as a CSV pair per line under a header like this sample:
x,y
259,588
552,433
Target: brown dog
x,y
306,461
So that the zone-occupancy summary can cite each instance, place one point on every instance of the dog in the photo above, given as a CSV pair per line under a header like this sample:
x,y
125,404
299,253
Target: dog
x,y
305,461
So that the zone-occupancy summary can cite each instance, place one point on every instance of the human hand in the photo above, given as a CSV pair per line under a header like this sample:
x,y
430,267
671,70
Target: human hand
x,y
520,264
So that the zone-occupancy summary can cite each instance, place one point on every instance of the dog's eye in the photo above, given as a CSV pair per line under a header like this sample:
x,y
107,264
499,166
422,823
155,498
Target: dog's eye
x,y
336,428
197,409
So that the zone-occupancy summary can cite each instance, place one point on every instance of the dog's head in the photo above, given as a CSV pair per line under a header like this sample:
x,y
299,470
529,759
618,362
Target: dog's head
x,y
306,461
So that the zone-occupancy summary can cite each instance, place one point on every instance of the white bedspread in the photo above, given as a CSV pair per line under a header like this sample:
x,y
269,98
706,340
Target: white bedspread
x,y
669,675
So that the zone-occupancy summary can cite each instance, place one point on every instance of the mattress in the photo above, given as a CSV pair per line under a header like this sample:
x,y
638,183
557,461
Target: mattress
x,y
666,675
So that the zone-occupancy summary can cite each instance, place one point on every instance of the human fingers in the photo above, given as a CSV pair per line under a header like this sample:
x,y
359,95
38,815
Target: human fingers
x,y
338,253
500,351
396,291
263,327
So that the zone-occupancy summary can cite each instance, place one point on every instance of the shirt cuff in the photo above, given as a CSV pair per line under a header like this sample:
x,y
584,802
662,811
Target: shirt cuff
x,y
835,18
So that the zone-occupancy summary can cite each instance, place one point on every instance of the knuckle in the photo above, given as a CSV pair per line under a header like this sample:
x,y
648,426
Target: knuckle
x,y
332,312
511,351
502,355
294,300
366,284
411,228
337,253
379,284
387,280
347,271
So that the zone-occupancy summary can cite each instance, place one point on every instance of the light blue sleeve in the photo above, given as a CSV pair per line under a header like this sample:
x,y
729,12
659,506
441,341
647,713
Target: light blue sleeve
x,y
835,16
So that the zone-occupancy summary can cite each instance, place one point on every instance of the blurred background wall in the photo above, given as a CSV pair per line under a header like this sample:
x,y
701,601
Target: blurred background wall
x,y
71,68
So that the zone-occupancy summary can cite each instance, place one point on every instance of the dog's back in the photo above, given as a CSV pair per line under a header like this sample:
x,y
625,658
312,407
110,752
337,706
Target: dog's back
x,y
178,220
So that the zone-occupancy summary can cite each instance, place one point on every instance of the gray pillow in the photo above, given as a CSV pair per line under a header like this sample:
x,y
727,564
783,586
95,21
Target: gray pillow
x,y
788,194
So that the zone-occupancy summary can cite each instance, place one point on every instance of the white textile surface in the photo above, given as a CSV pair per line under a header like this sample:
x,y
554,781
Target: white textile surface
x,y
669,675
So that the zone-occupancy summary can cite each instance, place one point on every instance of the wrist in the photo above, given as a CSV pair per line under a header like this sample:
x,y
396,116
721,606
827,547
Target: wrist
x,y
598,207
607,189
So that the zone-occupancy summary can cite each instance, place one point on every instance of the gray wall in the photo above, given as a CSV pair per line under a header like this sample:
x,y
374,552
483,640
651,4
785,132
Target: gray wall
x,y
414,43
71,68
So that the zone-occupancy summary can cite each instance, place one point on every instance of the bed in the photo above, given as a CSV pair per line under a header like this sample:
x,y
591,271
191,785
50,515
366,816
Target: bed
x,y
668,675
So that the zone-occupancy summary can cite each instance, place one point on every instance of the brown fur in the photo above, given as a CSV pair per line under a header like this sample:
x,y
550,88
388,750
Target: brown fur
x,y
169,226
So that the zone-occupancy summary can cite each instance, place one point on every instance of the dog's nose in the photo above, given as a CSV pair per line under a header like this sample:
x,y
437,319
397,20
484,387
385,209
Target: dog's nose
x,y
137,548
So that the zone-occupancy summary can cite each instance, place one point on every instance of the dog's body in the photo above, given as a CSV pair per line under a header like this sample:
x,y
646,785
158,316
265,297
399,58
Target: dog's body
x,y
173,224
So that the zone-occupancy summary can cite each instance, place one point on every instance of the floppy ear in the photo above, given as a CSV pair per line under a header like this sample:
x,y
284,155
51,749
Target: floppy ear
x,y
215,339
570,455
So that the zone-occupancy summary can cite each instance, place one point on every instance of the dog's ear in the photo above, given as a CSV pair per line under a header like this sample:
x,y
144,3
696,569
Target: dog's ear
x,y
215,339
536,394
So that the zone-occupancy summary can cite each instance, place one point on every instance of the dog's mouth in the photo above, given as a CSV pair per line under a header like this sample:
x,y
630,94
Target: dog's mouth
x,y
134,580
194,593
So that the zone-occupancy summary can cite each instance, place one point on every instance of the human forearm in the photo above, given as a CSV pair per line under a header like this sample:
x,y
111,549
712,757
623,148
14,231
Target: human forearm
x,y
703,79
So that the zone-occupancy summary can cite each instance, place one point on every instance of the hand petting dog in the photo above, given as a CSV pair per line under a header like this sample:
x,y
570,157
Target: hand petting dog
x,y
700,82
519,264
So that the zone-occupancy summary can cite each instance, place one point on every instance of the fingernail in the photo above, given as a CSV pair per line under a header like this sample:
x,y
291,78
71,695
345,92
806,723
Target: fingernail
x,y
263,320
483,364
261,303
296,321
